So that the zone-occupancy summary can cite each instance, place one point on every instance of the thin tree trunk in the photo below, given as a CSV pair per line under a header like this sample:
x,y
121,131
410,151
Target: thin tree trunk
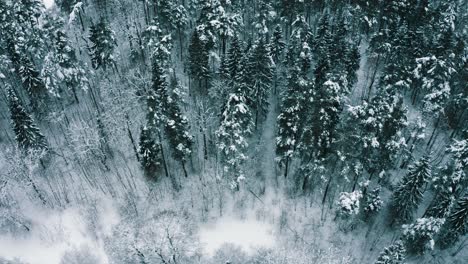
x,y
373,76
163,156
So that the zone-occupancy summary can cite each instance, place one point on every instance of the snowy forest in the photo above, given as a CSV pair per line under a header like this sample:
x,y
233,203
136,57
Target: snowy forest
x,y
233,131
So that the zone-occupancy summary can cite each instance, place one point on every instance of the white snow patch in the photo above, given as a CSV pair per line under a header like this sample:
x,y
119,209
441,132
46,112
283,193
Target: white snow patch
x,y
53,233
247,234
48,3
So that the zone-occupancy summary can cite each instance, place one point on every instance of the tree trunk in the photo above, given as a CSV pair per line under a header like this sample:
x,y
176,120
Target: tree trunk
x,y
433,131
185,170
286,169
162,156
373,76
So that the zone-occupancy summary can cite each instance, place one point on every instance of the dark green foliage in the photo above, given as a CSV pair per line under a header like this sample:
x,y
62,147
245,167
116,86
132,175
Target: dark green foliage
x,y
149,150
458,219
157,97
30,78
292,111
198,58
234,58
177,129
409,193
395,254
27,134
277,44
419,236
373,202
103,44
261,74
232,134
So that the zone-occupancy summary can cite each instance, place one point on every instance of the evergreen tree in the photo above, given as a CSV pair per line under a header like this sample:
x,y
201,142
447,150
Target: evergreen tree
x,y
177,131
27,134
149,151
277,44
158,43
323,39
235,126
458,219
31,79
103,44
172,14
373,202
450,181
419,236
326,109
234,58
261,74
158,96
198,60
395,254
293,109
376,134
409,193
263,16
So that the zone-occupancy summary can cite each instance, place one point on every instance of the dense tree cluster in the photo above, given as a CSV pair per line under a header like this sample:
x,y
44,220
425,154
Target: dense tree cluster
x,y
360,105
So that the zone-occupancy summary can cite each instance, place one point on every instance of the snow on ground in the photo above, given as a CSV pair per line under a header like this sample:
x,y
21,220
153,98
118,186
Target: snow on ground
x,y
247,234
54,233
48,3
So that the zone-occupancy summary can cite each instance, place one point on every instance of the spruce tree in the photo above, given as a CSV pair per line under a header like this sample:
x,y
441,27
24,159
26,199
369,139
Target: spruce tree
x,y
177,131
234,57
293,109
149,151
232,135
419,236
198,61
458,218
395,254
27,134
261,74
31,79
409,192
277,44
103,44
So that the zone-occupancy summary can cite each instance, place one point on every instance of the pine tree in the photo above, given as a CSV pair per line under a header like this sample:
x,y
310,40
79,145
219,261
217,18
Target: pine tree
x,y
419,236
149,151
71,72
323,39
326,108
27,134
177,131
157,97
458,219
172,14
395,254
373,202
263,17
450,181
409,193
232,135
103,44
158,43
198,60
376,134
261,74
234,57
293,109
31,79
277,44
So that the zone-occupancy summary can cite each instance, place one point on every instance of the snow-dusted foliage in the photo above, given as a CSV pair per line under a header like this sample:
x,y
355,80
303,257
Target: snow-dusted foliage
x,y
233,131
419,236
350,202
